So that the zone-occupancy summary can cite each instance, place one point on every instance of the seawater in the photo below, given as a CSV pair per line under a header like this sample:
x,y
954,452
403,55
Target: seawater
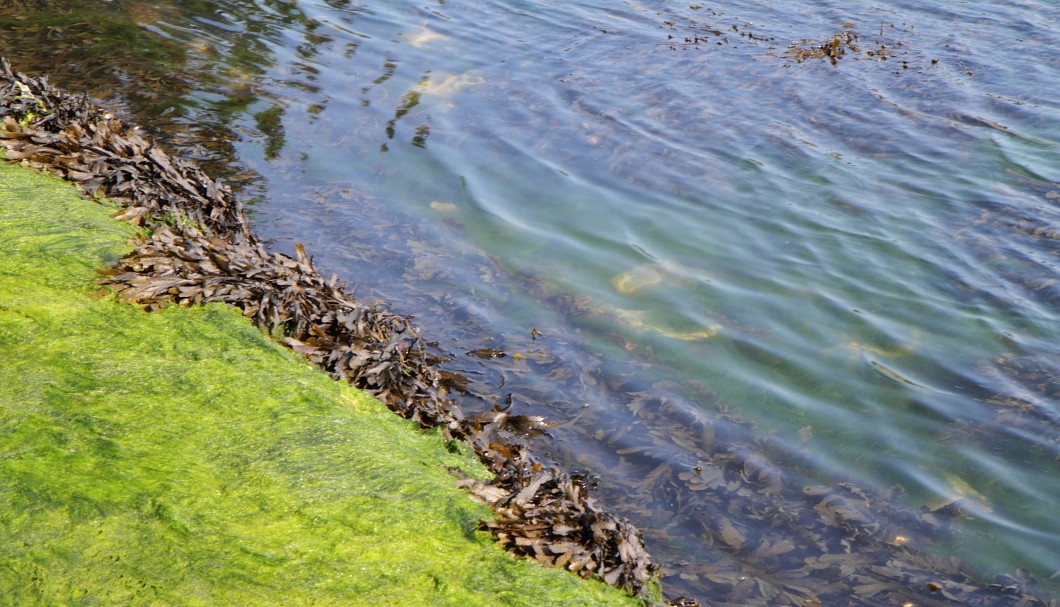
x,y
854,252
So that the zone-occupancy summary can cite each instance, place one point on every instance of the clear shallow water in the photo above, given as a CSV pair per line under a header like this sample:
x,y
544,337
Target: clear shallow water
x,y
858,258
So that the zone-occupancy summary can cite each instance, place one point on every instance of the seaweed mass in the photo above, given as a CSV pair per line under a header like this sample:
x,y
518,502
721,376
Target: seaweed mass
x,y
822,545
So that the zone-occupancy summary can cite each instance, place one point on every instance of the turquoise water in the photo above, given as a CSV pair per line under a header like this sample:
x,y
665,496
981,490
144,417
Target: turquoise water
x,y
859,257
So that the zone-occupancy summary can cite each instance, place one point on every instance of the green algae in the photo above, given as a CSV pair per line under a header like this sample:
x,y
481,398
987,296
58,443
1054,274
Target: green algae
x,y
181,458
270,123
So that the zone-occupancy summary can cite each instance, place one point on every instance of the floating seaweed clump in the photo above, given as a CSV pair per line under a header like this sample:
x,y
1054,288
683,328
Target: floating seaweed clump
x,y
848,43
834,48
200,248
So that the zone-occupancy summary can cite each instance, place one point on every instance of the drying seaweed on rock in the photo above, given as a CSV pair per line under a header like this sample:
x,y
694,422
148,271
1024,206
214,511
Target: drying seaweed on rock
x,y
200,249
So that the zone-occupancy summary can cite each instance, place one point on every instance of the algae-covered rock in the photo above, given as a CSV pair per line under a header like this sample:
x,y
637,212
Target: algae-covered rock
x,y
181,458
200,249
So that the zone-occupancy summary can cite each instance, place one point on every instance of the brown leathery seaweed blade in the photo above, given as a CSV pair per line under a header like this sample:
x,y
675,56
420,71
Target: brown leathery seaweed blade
x,y
201,249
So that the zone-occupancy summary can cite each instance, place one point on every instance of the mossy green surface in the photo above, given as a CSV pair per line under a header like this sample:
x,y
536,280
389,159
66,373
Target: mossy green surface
x,y
181,458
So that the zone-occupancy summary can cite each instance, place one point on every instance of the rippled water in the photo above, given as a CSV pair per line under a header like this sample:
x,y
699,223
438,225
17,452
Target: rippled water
x,y
631,201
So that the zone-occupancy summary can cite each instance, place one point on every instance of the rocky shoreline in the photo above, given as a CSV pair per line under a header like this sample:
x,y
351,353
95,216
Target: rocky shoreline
x,y
808,545
200,249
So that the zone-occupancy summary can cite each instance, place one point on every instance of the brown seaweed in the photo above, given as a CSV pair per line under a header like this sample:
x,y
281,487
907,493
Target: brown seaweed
x,y
834,48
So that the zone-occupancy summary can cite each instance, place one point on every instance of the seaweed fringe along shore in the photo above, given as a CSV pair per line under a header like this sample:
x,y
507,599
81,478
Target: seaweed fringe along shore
x,y
201,249
812,545
183,458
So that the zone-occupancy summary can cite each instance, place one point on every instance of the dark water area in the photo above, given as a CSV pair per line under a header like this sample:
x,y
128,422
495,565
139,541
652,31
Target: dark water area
x,y
811,245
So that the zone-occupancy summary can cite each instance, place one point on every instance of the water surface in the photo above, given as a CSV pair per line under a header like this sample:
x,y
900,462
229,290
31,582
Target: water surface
x,y
660,214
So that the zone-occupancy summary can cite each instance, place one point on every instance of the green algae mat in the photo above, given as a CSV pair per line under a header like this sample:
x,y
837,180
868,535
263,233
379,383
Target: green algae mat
x,y
181,458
